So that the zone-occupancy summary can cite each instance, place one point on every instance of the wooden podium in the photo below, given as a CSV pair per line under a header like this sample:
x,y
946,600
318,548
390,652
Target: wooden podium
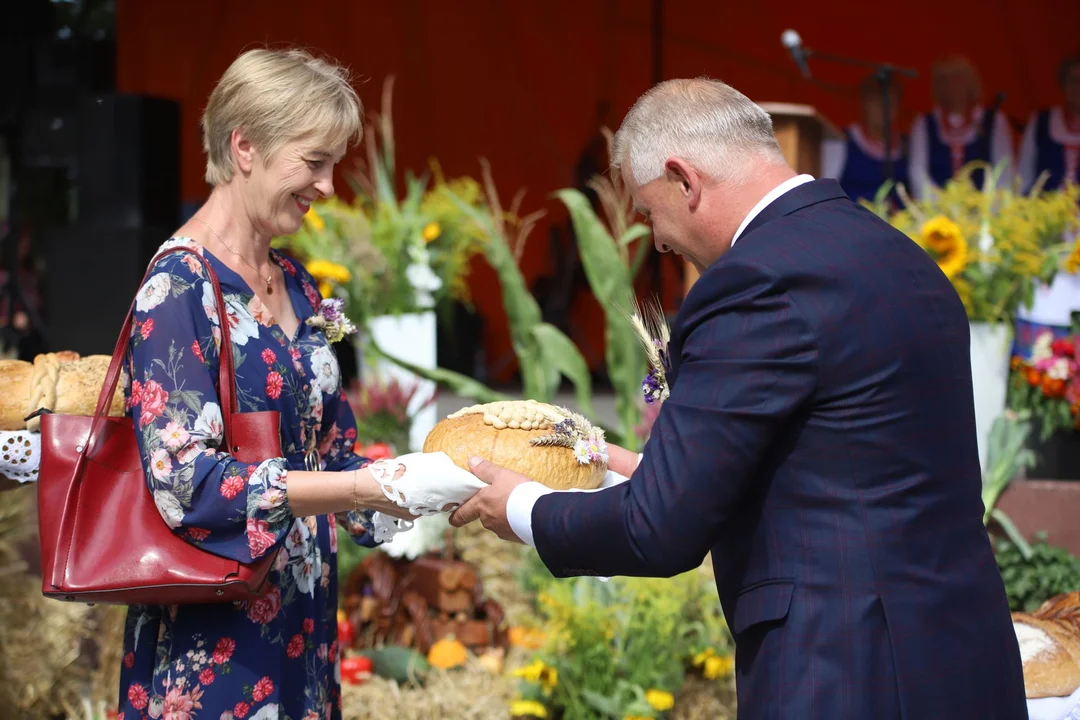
x,y
800,130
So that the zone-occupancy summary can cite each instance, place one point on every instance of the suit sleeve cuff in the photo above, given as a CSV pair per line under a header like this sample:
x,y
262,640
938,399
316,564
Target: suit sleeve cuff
x,y
519,507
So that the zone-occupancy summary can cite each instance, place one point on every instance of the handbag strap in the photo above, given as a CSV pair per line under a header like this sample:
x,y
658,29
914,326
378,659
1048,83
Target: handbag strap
x,y
226,372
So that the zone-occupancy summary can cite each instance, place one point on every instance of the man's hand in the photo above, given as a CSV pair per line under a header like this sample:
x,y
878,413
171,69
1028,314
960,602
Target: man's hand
x,y
489,504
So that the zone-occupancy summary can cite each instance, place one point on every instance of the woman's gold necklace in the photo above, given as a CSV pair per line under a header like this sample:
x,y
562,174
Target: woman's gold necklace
x,y
270,277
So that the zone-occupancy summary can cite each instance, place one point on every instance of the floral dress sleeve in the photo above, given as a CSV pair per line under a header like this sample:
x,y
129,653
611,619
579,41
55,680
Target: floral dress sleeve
x,y
339,438
230,508
340,457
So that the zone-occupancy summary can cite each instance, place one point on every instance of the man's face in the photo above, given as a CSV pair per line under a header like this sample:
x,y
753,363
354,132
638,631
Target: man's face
x,y
667,204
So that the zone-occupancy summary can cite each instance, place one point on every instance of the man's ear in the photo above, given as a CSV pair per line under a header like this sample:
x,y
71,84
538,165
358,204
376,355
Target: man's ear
x,y
688,179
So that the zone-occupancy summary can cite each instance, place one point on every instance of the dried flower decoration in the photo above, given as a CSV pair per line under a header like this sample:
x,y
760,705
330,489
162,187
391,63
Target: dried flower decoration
x,y
652,330
330,318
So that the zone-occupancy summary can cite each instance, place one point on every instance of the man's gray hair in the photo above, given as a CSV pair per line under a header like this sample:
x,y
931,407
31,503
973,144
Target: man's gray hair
x,y
705,122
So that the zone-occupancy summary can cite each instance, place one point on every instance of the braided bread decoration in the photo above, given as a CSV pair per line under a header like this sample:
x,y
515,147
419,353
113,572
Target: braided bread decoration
x,y
43,387
61,382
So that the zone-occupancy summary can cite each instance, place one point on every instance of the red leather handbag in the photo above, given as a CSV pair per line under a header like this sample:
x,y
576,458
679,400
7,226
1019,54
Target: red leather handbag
x,y
102,537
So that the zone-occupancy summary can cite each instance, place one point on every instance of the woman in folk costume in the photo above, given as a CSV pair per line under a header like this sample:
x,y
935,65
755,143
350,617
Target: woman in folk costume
x,y
1051,145
857,161
1051,141
958,131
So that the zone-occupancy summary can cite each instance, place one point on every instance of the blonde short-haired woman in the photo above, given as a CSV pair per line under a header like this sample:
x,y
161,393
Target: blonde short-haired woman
x,y
273,129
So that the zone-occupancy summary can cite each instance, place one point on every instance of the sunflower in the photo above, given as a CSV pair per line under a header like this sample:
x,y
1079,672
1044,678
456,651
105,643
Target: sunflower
x,y
944,239
941,234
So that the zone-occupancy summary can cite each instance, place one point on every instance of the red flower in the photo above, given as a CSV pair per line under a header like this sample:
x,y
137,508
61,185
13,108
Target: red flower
x,y
289,267
129,660
309,626
1060,347
260,539
138,697
269,356
147,328
197,349
377,451
273,385
264,609
263,689
198,534
136,394
231,486
153,399
350,434
241,709
223,650
207,676
312,295
296,646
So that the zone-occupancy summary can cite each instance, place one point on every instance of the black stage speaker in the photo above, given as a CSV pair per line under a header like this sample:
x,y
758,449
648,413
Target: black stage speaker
x,y
129,162
92,275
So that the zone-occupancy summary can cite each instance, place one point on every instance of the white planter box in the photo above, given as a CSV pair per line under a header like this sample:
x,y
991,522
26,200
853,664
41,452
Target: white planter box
x,y
990,346
411,338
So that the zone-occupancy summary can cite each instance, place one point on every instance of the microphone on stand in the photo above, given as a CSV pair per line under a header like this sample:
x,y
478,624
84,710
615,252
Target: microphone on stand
x,y
791,40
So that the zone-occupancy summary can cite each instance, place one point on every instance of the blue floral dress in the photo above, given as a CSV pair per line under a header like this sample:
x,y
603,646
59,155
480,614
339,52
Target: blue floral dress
x,y
275,657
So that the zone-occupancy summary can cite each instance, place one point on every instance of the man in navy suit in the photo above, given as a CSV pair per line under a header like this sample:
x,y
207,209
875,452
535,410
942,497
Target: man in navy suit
x,y
819,439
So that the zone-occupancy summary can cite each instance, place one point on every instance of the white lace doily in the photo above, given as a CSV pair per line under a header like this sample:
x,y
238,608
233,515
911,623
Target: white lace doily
x,y
20,455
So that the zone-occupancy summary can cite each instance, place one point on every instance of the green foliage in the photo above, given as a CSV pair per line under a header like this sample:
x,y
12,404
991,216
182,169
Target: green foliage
x,y
616,645
399,254
349,555
607,266
1029,582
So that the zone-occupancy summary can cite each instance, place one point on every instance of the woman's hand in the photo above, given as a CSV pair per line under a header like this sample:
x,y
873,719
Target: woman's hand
x,y
424,483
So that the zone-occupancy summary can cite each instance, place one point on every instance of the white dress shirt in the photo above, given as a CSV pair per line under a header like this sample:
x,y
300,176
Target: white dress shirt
x,y
519,505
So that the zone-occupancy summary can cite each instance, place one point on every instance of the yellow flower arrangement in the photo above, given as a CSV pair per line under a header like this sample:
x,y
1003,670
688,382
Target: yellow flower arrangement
x,y
527,708
540,674
713,666
386,254
660,699
328,274
943,238
996,245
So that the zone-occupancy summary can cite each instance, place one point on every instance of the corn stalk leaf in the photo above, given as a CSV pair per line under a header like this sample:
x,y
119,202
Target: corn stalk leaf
x,y
560,353
611,280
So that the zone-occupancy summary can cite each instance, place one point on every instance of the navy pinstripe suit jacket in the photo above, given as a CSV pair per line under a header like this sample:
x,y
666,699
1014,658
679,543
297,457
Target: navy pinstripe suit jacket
x,y
820,441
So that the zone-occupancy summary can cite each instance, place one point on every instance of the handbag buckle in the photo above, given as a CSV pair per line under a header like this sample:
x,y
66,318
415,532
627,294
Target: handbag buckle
x,y
40,411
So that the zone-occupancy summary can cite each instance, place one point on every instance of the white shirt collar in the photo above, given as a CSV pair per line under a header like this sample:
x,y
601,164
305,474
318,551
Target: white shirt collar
x,y
769,198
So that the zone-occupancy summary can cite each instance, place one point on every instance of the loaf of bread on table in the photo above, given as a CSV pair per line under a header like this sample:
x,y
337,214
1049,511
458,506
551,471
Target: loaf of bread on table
x,y
548,444
1050,647
62,382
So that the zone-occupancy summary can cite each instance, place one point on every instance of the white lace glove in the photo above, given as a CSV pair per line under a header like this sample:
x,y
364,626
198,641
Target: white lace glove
x,y
431,484
20,455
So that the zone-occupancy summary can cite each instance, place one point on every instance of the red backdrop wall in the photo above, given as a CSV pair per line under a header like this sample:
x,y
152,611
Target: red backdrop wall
x,y
519,82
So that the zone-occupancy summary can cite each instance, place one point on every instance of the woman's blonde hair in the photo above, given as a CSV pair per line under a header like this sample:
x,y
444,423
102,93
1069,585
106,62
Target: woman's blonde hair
x,y
275,96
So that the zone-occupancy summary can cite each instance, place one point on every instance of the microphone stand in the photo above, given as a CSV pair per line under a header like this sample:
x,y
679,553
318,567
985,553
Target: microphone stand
x,y
884,72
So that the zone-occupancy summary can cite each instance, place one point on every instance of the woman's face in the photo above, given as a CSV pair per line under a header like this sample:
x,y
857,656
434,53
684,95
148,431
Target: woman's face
x,y
279,192
956,91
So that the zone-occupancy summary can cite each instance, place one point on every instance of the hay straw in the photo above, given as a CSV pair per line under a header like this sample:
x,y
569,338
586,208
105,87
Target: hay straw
x,y
56,659
469,693
473,692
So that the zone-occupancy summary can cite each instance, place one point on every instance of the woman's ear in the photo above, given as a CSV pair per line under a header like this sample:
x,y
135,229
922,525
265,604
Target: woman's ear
x,y
242,151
